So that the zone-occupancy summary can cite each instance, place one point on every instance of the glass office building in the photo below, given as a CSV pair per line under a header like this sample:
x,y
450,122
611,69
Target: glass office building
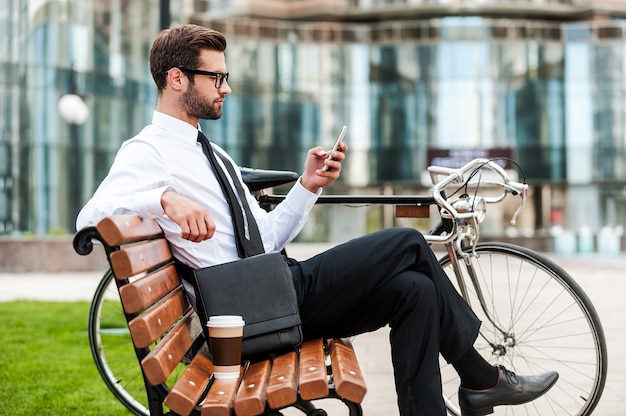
x,y
416,81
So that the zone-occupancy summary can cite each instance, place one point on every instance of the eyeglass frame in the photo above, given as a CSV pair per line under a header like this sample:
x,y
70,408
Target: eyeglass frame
x,y
220,77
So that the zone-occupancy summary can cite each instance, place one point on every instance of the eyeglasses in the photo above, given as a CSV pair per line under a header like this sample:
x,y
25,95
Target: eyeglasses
x,y
220,77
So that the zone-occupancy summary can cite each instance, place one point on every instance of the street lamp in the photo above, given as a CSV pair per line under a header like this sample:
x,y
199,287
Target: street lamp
x,y
73,109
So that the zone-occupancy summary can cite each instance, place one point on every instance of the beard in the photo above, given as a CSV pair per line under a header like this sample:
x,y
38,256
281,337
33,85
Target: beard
x,y
197,106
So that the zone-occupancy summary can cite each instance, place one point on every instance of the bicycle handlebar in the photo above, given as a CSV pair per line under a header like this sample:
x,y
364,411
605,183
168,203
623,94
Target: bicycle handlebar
x,y
467,210
468,176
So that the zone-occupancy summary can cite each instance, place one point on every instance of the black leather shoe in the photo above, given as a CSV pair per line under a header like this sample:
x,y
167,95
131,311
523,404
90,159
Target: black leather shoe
x,y
510,389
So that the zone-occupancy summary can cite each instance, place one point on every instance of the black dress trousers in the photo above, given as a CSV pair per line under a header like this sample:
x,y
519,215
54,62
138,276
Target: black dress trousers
x,y
390,277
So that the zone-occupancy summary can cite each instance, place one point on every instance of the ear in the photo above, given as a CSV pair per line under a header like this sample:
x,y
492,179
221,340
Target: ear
x,y
176,79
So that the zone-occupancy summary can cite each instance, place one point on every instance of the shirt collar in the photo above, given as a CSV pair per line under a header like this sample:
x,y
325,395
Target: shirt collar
x,y
176,127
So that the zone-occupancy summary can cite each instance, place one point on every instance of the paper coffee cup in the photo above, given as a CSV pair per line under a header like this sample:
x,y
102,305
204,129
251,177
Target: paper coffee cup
x,y
225,335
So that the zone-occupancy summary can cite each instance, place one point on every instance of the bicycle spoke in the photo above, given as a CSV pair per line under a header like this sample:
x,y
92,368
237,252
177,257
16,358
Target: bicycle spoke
x,y
535,319
113,350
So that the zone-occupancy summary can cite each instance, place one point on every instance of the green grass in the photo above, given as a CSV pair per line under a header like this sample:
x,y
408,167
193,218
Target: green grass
x,y
46,366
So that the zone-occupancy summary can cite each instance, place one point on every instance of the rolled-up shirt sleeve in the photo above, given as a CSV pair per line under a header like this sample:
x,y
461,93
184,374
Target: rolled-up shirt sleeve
x,y
146,204
133,186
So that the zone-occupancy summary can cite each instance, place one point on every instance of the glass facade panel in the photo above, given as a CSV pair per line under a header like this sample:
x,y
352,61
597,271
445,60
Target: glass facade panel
x,y
400,99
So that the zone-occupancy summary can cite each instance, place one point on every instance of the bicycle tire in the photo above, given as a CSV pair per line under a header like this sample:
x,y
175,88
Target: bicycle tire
x,y
112,348
551,325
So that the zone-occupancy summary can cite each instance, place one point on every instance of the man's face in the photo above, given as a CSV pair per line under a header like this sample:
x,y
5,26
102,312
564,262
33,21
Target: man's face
x,y
203,99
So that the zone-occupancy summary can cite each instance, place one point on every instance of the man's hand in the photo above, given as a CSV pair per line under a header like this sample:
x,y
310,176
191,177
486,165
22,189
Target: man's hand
x,y
194,220
314,177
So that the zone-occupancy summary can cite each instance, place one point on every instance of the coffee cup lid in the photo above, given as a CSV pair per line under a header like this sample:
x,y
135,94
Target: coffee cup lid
x,y
225,321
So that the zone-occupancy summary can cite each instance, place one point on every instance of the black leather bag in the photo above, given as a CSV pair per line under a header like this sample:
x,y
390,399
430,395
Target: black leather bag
x,y
260,289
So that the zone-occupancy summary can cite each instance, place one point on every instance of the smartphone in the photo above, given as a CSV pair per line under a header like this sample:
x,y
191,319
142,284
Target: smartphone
x,y
336,145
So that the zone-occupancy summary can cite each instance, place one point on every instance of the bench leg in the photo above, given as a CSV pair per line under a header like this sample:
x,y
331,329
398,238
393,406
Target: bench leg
x,y
354,408
307,408
155,401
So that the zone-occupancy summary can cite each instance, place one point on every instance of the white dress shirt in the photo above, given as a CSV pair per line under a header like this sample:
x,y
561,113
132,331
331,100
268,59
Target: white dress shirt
x,y
166,156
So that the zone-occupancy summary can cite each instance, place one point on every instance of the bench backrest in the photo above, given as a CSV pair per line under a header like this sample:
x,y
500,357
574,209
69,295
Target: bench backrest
x,y
164,327
151,293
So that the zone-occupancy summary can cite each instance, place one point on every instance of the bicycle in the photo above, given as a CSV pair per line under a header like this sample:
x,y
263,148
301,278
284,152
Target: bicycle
x,y
535,317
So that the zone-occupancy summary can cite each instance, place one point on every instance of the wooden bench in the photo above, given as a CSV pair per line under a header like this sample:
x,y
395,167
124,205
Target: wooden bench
x,y
165,329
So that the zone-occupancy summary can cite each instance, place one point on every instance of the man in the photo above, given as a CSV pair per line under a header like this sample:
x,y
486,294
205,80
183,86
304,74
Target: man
x,y
390,277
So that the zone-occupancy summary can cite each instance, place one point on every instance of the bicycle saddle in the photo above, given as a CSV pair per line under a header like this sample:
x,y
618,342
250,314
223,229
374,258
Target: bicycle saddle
x,y
258,179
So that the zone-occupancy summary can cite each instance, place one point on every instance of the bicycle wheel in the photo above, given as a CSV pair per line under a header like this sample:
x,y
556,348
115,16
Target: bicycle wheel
x,y
112,348
535,318
114,354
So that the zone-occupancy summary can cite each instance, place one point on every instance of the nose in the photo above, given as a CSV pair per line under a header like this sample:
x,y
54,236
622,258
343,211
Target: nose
x,y
225,88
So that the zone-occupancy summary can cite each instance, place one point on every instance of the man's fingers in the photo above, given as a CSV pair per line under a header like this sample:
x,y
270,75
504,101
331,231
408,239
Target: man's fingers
x,y
195,232
184,230
194,220
200,229
210,227
206,229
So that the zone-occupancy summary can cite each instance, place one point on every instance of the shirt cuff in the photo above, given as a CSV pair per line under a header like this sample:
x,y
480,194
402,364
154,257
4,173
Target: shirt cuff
x,y
148,203
300,198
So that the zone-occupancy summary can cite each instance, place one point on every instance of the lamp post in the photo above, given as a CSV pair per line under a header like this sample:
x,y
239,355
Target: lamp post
x,y
164,14
75,112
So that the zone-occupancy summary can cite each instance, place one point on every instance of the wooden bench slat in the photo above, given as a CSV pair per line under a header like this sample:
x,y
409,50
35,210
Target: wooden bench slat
x,y
219,399
161,361
282,386
188,389
140,258
250,398
142,293
150,325
117,230
349,381
312,377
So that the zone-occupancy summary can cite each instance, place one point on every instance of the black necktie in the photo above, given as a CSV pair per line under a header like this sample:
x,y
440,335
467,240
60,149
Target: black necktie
x,y
245,247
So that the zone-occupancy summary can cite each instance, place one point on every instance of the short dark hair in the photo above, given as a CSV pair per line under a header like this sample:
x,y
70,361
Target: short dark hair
x,y
180,46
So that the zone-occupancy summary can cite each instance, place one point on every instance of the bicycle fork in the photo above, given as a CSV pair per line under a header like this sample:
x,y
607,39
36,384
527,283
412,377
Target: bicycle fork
x,y
467,262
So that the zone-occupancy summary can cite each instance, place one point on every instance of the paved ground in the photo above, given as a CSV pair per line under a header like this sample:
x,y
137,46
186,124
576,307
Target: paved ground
x,y
602,278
